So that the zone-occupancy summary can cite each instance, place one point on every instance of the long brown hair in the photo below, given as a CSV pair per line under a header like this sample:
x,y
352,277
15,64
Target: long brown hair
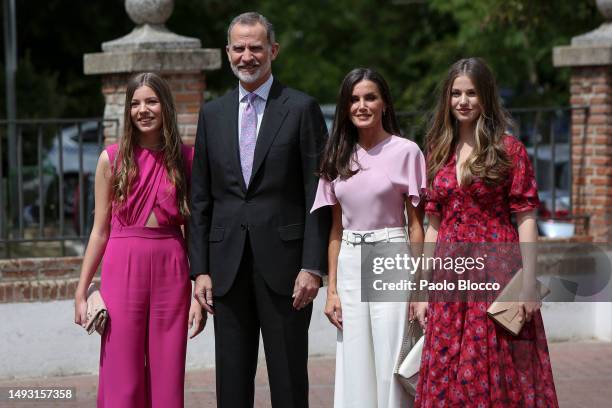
x,y
126,170
339,150
489,160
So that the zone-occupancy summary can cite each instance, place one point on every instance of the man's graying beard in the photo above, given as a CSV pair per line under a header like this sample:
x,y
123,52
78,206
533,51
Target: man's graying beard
x,y
255,76
246,77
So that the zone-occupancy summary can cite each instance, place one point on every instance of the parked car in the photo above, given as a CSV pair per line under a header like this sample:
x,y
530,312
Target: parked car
x,y
69,171
70,158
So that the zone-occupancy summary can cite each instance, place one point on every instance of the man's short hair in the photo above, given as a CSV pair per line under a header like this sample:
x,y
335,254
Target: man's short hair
x,y
252,18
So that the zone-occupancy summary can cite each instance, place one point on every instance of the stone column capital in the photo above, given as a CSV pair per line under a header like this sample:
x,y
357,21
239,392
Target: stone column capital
x,y
162,61
590,49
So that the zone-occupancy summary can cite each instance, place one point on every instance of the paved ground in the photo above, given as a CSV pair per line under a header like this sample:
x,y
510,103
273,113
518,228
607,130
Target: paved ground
x,y
583,377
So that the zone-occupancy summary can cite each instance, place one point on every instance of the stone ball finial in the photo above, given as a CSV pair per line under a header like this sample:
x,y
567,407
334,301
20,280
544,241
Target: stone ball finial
x,y
605,8
149,11
150,32
601,36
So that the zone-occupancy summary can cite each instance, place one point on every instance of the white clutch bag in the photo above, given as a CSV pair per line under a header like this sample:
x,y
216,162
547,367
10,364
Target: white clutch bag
x,y
409,363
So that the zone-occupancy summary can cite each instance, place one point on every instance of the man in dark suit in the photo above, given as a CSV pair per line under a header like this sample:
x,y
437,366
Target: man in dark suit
x,y
256,252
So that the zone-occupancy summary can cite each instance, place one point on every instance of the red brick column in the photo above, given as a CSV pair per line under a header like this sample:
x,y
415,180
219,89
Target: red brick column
x,y
591,87
188,91
590,58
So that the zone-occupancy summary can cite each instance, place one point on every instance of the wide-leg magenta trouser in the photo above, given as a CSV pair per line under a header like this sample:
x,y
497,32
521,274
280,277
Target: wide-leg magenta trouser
x,y
146,288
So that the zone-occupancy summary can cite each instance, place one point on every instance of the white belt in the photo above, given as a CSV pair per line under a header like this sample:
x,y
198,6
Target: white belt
x,y
370,237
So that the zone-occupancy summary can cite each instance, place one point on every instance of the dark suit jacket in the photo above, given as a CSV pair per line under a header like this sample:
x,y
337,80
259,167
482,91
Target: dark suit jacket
x,y
275,209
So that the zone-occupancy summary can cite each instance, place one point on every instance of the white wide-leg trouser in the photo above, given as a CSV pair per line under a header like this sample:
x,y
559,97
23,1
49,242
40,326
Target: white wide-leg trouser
x,y
369,344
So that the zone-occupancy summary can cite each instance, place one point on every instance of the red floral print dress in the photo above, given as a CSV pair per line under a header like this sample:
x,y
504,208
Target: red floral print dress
x,y
468,360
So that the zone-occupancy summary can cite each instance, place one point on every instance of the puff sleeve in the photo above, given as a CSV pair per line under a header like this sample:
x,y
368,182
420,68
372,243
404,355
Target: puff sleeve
x,y
523,194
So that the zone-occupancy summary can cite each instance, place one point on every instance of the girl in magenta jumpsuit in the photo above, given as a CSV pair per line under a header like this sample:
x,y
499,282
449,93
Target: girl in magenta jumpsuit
x,y
141,190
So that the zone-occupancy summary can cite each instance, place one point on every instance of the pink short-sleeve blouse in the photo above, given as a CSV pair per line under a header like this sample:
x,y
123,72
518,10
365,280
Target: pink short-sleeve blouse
x,y
374,198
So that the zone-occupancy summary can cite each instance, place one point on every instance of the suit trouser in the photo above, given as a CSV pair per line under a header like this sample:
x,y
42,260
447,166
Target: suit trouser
x,y
146,288
368,346
248,307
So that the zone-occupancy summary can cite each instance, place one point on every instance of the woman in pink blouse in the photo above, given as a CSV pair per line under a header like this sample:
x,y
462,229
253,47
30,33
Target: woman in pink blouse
x,y
372,177
141,204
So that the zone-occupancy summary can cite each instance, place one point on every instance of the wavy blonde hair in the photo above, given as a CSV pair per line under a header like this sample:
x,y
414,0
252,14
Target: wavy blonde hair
x,y
125,170
489,160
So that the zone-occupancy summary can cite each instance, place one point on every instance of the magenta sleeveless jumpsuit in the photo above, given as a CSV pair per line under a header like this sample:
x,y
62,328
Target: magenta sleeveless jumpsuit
x,y
146,287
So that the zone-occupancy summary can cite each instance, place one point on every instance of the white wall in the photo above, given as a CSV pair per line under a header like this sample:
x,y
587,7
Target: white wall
x,y
41,339
577,321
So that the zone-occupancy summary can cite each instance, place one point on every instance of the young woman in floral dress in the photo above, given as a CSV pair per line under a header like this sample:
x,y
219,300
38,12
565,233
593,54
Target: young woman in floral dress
x,y
478,177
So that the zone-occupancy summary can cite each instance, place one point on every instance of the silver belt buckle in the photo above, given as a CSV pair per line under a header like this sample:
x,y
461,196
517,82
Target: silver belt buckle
x,y
362,238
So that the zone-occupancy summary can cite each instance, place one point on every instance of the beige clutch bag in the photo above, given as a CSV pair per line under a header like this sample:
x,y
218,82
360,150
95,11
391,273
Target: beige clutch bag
x,y
409,362
505,309
97,314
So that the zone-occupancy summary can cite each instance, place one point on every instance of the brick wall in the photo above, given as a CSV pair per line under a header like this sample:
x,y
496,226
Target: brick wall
x,y
592,148
39,279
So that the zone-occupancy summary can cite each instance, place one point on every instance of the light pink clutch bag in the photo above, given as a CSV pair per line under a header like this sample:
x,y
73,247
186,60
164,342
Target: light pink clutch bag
x,y
97,314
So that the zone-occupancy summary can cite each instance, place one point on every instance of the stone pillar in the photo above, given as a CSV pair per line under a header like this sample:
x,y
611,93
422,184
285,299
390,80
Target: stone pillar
x,y
590,58
152,47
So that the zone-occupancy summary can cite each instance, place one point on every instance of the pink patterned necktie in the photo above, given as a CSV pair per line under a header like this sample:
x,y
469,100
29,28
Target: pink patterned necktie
x,y
248,137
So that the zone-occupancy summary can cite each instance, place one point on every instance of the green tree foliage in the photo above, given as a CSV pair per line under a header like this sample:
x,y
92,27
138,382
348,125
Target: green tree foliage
x,y
321,42
517,37
52,36
411,42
